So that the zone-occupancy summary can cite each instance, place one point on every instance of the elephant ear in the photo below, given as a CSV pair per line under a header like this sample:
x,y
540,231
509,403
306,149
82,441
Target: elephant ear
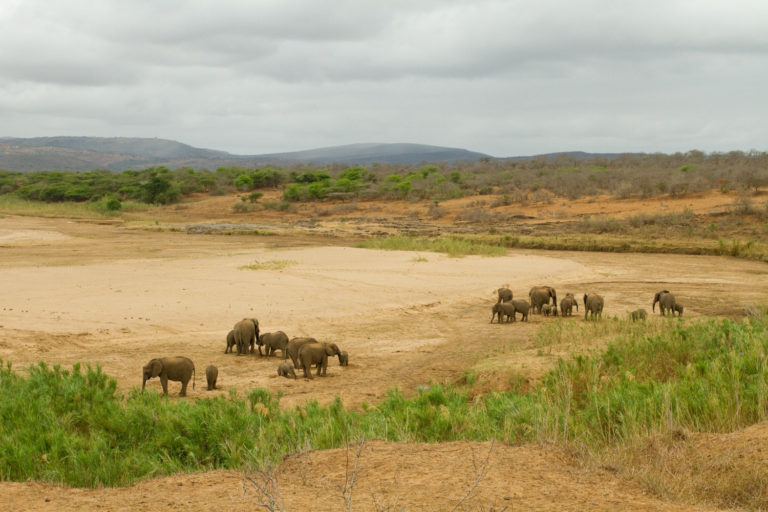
x,y
157,367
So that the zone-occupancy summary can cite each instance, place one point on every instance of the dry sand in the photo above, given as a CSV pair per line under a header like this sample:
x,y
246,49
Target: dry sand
x,y
117,297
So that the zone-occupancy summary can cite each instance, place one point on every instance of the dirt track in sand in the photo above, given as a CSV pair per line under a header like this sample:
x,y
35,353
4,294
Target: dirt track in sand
x,y
108,295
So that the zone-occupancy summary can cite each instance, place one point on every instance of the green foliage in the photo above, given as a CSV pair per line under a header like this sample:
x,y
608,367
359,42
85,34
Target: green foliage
x,y
73,427
244,182
310,176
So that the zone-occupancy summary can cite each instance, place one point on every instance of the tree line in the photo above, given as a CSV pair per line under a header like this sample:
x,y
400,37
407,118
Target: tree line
x,y
536,179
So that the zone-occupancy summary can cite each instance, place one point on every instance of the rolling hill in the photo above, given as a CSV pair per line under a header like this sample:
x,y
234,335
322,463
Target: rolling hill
x,y
122,153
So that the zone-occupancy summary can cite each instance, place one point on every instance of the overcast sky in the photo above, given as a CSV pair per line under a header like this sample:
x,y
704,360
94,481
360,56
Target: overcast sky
x,y
506,78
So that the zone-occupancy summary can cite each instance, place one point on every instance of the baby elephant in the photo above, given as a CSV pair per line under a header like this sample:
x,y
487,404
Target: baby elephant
x,y
211,374
638,314
677,308
343,358
286,370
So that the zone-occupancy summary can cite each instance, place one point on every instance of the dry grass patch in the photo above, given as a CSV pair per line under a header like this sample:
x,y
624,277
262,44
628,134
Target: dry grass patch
x,y
268,265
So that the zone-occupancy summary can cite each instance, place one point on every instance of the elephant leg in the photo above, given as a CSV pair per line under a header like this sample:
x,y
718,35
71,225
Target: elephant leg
x,y
184,387
164,383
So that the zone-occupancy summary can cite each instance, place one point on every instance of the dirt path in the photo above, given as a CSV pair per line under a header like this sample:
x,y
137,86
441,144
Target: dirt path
x,y
116,297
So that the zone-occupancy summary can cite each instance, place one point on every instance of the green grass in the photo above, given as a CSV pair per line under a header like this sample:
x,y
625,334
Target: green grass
x,y
453,246
268,265
13,205
73,427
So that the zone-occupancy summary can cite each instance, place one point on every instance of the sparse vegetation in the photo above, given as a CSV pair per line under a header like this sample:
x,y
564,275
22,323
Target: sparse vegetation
x,y
454,246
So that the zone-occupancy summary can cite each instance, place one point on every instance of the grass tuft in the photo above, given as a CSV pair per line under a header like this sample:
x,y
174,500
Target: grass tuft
x,y
268,265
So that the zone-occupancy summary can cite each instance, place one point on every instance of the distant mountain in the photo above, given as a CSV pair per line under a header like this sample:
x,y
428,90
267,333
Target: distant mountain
x,y
121,153
398,153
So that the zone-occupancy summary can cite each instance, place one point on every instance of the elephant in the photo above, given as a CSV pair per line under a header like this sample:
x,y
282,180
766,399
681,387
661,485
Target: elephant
x,y
546,309
273,341
521,306
666,302
593,304
567,304
211,374
177,368
503,309
343,358
540,295
638,314
293,348
246,334
677,308
316,354
286,370
230,341
505,294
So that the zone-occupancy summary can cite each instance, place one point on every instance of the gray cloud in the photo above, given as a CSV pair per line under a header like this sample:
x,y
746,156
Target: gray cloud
x,y
503,77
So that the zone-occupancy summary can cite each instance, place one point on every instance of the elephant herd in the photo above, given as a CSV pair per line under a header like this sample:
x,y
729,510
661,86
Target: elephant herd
x,y
543,300
245,338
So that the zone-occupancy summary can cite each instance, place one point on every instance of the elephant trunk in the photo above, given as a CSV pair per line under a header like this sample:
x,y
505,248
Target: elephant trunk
x,y
143,382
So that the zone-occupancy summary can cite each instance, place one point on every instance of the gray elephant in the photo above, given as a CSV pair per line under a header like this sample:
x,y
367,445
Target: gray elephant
x,y
316,354
246,334
567,305
540,295
503,309
230,341
546,309
286,370
677,308
505,294
638,314
293,348
593,306
211,374
343,358
273,341
177,368
666,302
522,307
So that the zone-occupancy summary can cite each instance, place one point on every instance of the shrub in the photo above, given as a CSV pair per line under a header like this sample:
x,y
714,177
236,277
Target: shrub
x,y
244,182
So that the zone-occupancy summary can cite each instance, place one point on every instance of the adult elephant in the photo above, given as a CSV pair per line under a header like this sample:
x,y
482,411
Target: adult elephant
x,y
503,309
505,295
273,341
316,354
246,334
295,345
177,368
666,302
541,295
593,305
